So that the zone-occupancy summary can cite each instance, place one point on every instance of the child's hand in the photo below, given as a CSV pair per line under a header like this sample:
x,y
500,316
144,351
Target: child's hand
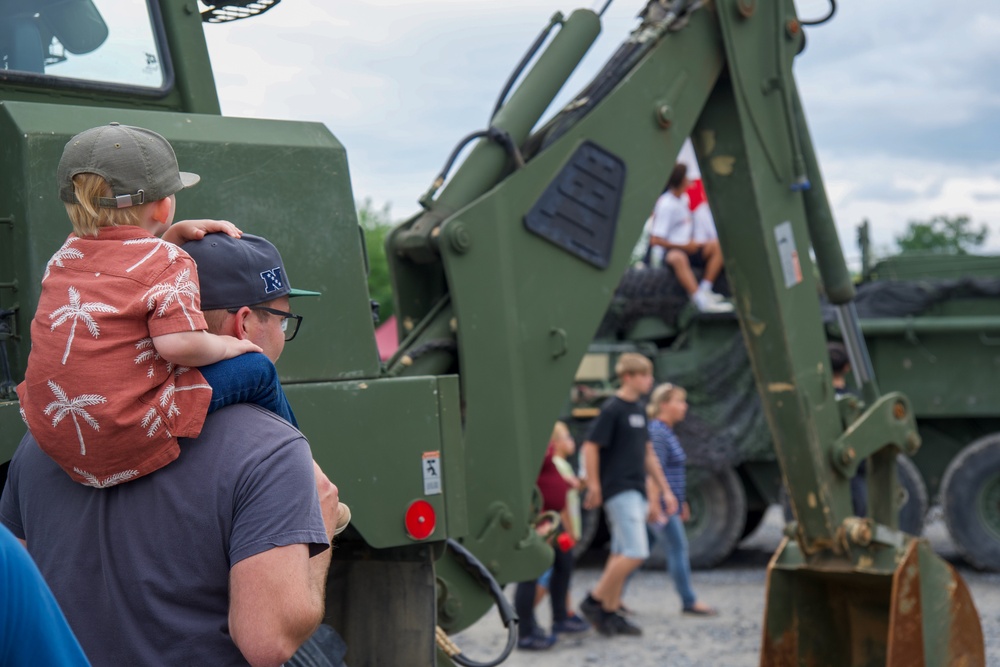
x,y
235,347
194,230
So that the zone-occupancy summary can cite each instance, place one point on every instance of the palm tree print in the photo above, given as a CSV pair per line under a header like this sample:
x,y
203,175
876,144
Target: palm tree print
x,y
148,353
152,420
182,286
65,252
78,311
171,249
74,408
117,478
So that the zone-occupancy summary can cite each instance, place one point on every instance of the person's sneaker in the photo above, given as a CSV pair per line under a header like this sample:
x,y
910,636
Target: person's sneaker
x,y
706,304
572,625
713,296
616,624
591,610
536,641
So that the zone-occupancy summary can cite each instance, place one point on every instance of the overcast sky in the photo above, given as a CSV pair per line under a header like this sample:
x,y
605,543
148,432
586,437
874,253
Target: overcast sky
x,y
902,97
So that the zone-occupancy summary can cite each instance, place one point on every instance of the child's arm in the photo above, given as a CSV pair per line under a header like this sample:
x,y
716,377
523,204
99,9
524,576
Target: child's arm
x,y
193,230
200,348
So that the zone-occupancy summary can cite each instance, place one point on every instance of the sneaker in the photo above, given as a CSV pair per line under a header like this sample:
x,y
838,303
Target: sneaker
x,y
591,610
537,641
706,304
572,625
616,624
713,296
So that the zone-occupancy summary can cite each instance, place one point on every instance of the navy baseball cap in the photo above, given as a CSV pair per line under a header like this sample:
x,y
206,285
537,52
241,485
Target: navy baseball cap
x,y
239,272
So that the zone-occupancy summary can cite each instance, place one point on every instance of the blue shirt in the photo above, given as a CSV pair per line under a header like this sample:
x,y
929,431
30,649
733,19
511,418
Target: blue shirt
x,y
33,631
672,457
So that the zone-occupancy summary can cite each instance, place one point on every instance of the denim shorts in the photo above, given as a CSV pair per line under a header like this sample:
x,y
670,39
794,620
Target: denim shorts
x,y
626,515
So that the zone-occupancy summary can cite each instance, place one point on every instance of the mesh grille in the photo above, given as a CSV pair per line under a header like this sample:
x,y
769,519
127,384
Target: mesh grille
x,y
235,9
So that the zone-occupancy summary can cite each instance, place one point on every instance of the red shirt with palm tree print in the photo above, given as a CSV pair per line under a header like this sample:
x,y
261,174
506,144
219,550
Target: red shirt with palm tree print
x,y
97,397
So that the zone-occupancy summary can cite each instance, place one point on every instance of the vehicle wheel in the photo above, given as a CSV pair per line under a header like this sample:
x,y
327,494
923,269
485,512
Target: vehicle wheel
x,y
754,517
915,503
718,515
593,532
971,501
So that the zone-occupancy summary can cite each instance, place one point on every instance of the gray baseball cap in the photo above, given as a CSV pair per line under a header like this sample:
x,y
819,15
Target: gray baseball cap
x,y
139,164
239,272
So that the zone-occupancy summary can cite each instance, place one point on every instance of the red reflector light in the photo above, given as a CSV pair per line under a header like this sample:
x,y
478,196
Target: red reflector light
x,y
420,519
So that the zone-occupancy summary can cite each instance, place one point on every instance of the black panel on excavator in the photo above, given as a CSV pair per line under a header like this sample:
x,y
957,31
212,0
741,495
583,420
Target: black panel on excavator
x,y
579,210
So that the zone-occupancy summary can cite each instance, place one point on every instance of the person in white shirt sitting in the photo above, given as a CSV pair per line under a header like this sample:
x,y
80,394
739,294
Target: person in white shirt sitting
x,y
682,242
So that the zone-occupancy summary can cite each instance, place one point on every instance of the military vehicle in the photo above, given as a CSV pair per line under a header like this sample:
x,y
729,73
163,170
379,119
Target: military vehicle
x,y
437,451
931,323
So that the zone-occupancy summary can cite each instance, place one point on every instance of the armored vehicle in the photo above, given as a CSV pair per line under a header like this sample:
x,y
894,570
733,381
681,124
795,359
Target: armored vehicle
x,y
930,321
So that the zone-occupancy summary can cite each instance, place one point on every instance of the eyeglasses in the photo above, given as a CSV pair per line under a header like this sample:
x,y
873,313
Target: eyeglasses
x,y
286,320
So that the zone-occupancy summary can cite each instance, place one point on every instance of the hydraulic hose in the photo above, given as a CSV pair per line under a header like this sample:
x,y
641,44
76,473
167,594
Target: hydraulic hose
x,y
507,614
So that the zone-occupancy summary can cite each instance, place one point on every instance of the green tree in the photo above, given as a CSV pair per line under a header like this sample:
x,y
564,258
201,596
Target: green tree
x,y
376,224
943,235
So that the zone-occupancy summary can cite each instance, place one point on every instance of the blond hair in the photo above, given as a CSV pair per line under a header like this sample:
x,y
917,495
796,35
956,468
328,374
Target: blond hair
x,y
632,363
87,217
661,395
560,430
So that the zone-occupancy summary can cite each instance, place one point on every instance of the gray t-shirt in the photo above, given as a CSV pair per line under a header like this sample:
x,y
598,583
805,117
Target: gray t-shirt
x,y
141,569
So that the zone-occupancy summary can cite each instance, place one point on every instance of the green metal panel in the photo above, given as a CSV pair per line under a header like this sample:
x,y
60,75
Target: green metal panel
x,y
286,181
946,366
370,438
12,429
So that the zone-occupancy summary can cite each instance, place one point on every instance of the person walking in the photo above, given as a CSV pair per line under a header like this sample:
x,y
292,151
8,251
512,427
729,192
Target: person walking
x,y
618,456
667,407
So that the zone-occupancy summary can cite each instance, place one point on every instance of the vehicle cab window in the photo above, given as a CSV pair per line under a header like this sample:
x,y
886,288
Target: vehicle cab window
x,y
83,43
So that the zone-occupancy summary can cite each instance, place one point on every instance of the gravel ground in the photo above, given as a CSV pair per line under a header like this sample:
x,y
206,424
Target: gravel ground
x,y
730,640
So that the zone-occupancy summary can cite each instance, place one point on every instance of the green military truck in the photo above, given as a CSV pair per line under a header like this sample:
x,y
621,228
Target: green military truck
x,y
932,323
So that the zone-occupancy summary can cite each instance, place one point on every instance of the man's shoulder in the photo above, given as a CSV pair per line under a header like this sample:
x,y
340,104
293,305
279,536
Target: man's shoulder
x,y
248,417
243,431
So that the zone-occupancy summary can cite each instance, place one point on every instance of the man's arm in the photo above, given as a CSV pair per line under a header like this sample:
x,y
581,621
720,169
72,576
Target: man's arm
x,y
654,470
274,604
592,466
277,597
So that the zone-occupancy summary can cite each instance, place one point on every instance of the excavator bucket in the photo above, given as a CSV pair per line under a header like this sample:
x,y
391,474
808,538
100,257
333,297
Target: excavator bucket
x,y
846,615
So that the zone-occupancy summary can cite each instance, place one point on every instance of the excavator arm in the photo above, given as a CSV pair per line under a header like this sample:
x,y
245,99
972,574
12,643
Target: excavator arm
x,y
506,274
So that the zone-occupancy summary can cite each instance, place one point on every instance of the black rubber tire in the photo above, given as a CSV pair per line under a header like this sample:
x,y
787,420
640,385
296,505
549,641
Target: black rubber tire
x,y
754,517
718,515
594,534
970,493
915,502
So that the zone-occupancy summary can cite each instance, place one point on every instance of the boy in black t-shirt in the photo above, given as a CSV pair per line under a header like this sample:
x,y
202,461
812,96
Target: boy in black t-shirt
x,y
617,457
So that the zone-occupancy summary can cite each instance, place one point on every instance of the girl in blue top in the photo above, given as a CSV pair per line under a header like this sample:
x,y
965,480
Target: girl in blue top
x,y
667,407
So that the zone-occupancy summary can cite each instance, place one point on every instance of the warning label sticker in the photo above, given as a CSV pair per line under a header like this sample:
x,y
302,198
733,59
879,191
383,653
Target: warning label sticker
x,y
432,473
788,255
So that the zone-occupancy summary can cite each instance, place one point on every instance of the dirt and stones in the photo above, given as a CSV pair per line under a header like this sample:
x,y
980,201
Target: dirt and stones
x,y
732,639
